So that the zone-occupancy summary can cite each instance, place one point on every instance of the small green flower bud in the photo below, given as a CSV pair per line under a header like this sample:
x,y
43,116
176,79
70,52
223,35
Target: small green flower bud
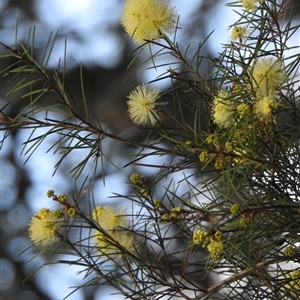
x,y
218,236
229,146
219,164
200,238
245,221
211,139
176,212
165,217
135,178
243,109
203,156
290,251
72,212
62,198
156,203
50,193
144,192
58,213
235,209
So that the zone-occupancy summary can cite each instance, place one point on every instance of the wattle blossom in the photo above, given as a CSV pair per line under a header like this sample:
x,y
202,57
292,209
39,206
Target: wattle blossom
x,y
267,75
265,106
148,19
113,222
45,227
141,105
222,109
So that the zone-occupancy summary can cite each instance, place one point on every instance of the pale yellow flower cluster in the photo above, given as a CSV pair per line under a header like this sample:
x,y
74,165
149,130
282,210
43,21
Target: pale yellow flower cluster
x,y
148,19
214,244
265,106
141,105
114,236
251,4
238,32
267,75
222,108
45,227
293,285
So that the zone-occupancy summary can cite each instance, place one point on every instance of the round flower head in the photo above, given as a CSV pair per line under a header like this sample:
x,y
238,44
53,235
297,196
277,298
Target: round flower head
x,y
141,105
238,32
111,245
265,106
113,222
215,249
222,109
108,218
249,4
148,19
267,75
45,227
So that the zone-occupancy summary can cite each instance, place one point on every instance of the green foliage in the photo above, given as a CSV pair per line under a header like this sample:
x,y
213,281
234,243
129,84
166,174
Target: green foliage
x,y
235,231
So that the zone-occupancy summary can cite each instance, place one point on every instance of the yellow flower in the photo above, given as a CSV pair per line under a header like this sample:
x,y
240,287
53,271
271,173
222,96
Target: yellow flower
x,y
267,75
290,251
222,109
145,192
113,243
235,209
203,156
218,236
238,32
265,106
136,178
243,109
176,212
249,4
45,227
148,19
114,223
72,212
156,203
293,285
229,146
109,219
211,139
165,218
215,249
141,105
200,238
245,221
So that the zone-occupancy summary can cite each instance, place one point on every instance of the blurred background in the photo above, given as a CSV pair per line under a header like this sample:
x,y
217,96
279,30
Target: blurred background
x,y
96,40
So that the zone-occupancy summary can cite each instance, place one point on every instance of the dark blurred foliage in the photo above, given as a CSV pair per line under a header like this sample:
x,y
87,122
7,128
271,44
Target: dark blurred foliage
x,y
106,93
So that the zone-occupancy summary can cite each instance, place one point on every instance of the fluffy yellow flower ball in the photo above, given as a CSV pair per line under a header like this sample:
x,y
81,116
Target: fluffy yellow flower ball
x,y
45,227
111,245
108,218
238,32
141,105
267,75
249,4
265,106
223,108
148,19
114,223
